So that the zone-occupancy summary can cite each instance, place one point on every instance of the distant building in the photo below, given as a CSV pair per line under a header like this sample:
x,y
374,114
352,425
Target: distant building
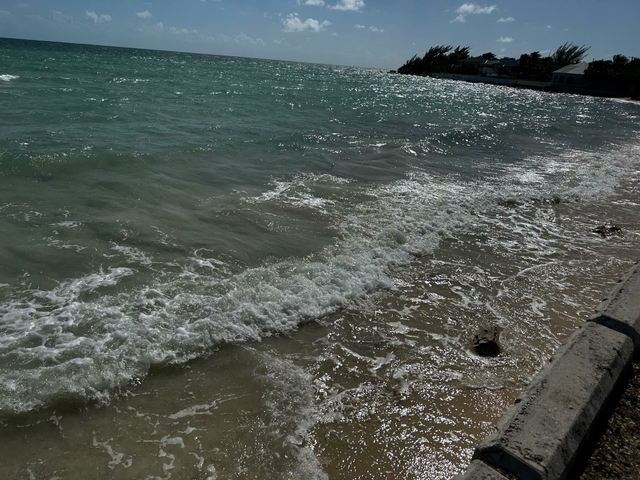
x,y
472,65
509,66
479,66
570,77
490,68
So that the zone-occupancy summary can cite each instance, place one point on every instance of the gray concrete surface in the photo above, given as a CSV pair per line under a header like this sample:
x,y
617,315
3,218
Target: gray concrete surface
x,y
480,471
541,436
621,310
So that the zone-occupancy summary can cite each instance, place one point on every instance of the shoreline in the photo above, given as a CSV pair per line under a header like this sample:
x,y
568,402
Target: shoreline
x,y
525,84
554,423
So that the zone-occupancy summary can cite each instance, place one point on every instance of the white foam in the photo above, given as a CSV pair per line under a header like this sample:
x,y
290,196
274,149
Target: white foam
x,y
194,410
70,291
85,336
133,255
289,396
67,224
7,78
297,191
55,243
117,458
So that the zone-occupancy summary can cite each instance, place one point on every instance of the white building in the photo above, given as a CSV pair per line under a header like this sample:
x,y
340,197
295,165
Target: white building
x,y
570,77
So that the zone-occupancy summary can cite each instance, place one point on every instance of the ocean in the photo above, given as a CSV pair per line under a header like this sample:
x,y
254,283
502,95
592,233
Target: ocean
x,y
229,268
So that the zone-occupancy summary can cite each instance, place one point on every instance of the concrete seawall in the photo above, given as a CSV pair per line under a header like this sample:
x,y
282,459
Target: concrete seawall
x,y
510,82
549,427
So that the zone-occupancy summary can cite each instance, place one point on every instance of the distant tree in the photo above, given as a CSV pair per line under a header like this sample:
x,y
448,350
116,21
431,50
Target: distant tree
x,y
620,61
568,54
533,66
527,65
619,76
488,56
435,59
600,74
632,73
459,54
410,66
441,58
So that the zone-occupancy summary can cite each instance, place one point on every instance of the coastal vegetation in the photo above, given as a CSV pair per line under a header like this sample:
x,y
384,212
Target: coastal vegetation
x,y
441,58
530,66
620,76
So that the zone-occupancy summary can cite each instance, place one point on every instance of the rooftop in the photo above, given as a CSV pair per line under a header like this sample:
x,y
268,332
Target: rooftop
x,y
573,69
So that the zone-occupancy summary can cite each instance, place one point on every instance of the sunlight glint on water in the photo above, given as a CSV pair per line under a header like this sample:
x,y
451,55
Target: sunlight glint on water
x,y
216,267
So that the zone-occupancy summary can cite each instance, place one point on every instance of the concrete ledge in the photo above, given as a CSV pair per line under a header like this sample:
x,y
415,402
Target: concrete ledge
x,y
542,435
621,310
480,471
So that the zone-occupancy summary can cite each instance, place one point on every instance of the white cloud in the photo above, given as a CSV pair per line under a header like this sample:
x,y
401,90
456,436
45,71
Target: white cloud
x,y
144,14
60,17
182,31
467,8
348,5
506,20
471,9
242,38
103,17
505,40
23,5
293,24
245,39
312,3
372,28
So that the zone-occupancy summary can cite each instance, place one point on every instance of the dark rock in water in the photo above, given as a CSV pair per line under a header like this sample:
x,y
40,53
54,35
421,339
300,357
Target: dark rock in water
x,y
607,230
509,203
486,342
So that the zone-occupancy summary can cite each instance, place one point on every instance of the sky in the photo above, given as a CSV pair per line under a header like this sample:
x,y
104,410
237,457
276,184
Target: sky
x,y
368,33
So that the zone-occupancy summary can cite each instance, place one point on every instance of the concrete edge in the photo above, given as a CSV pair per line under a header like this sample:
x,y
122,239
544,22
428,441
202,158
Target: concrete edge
x,y
480,471
524,444
544,434
621,327
620,311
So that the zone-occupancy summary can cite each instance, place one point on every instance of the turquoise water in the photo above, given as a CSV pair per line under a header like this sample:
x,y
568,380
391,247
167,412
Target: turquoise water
x,y
312,245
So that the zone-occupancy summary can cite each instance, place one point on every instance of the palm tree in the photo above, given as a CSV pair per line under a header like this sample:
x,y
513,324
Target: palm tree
x,y
441,58
568,54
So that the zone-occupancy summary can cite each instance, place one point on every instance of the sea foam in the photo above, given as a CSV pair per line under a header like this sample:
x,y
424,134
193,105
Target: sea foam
x,y
81,340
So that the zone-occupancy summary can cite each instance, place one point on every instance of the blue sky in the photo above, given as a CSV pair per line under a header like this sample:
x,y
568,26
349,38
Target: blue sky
x,y
371,33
